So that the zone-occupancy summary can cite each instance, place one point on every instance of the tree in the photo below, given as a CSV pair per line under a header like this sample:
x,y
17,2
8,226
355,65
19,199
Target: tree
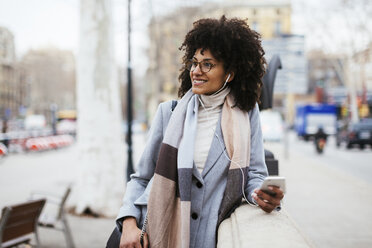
x,y
100,144
343,27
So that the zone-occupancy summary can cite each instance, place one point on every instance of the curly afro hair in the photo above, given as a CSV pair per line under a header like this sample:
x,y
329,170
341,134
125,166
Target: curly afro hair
x,y
232,42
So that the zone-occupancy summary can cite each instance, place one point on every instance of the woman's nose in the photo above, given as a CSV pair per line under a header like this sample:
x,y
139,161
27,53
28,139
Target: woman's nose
x,y
197,70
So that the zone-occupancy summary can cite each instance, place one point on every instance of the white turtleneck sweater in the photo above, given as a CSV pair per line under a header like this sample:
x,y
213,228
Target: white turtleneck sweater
x,y
208,117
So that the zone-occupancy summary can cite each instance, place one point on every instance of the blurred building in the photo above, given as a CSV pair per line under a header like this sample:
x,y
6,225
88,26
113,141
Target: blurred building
x,y
292,78
166,35
327,77
363,68
12,84
361,73
50,77
325,70
291,84
272,19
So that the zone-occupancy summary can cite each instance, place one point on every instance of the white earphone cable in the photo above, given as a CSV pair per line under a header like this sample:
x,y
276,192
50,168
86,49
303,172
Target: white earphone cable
x,y
223,86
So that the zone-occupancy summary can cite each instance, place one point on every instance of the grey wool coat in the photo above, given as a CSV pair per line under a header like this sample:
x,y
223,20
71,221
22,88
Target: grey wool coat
x,y
207,188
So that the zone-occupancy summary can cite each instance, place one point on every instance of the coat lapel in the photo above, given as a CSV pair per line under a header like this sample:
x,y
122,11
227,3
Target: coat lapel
x,y
216,150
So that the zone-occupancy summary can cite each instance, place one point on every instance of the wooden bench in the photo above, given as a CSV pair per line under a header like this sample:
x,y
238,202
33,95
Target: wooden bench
x,y
18,222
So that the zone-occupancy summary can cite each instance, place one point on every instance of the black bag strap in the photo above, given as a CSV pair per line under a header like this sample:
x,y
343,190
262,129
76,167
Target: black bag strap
x,y
174,104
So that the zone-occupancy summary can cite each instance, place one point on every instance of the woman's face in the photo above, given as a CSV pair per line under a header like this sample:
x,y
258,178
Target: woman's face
x,y
203,81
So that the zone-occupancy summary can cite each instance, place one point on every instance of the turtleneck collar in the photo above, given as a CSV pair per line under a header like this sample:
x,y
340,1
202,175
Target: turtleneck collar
x,y
215,100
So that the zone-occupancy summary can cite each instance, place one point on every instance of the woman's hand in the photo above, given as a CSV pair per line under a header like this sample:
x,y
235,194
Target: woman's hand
x,y
130,237
268,202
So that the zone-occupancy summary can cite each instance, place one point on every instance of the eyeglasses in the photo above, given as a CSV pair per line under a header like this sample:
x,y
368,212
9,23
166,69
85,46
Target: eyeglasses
x,y
204,66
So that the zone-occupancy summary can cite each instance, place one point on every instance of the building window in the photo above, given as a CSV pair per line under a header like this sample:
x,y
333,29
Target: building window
x,y
278,28
278,12
254,12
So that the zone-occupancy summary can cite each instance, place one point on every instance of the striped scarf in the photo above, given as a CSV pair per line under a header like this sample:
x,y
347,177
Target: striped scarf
x,y
170,197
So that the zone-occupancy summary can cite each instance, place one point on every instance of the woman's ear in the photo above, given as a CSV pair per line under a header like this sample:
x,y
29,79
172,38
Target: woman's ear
x,y
230,77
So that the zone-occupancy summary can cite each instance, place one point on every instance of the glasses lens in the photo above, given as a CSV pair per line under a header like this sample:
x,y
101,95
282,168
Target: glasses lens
x,y
205,66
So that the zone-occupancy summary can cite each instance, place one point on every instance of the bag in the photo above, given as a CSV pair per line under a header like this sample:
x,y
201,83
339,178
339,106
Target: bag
x,y
114,239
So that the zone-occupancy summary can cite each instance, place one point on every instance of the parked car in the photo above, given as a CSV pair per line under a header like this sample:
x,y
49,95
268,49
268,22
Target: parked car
x,y
359,133
66,127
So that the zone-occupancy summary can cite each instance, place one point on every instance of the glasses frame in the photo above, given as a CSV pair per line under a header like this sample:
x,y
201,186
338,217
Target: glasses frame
x,y
190,63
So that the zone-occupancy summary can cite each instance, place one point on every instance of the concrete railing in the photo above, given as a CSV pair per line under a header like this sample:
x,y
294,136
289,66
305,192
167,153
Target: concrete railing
x,y
250,226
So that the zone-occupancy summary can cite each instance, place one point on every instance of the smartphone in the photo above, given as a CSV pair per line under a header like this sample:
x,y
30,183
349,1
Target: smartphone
x,y
273,181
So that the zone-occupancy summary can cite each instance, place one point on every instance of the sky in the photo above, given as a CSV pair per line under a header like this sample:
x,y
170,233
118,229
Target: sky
x,y
36,23
41,23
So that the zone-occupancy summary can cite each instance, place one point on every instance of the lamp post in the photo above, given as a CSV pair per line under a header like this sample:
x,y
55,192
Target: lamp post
x,y
53,112
130,169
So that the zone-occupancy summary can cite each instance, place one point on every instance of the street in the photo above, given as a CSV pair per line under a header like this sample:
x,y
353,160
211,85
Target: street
x,y
353,161
328,196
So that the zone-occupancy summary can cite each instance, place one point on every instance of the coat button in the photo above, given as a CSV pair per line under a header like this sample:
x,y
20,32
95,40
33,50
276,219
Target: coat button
x,y
194,216
199,184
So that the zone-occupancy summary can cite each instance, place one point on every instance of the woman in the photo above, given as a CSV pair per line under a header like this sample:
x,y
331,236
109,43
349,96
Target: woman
x,y
202,158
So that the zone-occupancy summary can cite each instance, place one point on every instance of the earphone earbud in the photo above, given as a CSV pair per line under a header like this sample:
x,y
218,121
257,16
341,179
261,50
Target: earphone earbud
x,y
228,77
223,86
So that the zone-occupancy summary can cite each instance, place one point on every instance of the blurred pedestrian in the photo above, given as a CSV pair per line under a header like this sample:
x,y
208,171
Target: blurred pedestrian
x,y
320,139
320,134
201,155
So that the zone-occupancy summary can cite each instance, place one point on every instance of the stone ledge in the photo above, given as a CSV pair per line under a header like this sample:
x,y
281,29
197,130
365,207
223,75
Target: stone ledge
x,y
249,226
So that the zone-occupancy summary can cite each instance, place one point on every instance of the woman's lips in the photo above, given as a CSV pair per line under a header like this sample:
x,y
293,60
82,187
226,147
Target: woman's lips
x,y
199,82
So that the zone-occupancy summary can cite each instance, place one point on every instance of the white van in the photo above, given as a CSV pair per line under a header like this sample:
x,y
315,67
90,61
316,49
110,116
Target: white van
x,y
35,122
272,125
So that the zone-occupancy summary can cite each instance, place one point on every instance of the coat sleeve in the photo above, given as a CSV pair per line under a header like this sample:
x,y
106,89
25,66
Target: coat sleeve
x,y
257,170
136,189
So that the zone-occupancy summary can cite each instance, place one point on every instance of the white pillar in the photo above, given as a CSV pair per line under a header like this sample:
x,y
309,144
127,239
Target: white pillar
x,y
101,153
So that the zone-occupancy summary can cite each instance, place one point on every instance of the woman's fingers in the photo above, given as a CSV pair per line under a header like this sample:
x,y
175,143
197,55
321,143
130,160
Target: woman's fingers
x,y
278,192
145,241
268,201
266,206
274,195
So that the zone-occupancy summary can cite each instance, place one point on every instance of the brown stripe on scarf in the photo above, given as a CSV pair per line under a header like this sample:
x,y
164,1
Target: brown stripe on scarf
x,y
167,162
233,193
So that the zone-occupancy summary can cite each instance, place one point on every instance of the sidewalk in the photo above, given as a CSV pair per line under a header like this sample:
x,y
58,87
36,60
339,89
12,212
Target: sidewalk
x,y
51,171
